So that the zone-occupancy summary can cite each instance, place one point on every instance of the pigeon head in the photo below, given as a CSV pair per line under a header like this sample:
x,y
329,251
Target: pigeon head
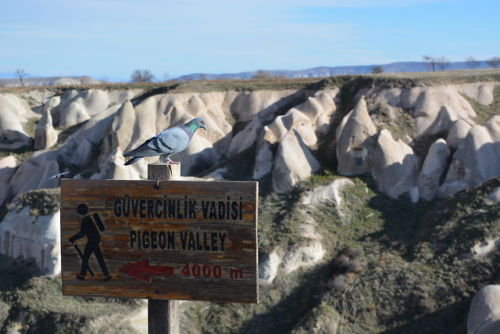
x,y
195,124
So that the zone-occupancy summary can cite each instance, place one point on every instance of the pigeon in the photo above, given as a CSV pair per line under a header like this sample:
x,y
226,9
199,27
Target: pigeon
x,y
167,142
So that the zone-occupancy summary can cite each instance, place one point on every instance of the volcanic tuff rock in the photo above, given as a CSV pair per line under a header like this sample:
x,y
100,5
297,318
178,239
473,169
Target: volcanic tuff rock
x,y
13,115
45,135
309,119
433,169
7,168
476,159
78,106
277,137
306,252
293,162
286,128
330,193
26,236
484,313
435,108
394,165
35,173
351,135
457,133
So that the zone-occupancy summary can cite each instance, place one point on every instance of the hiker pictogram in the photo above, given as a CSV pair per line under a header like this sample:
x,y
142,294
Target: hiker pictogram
x,y
90,227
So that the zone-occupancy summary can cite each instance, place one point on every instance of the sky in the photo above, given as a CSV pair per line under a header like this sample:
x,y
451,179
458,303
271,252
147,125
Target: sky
x,y
109,39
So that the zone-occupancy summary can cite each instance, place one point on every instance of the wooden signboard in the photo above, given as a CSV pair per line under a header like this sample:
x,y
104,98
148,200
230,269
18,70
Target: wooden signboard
x,y
160,239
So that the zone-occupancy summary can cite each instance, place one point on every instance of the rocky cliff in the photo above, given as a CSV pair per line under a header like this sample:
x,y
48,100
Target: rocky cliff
x,y
404,140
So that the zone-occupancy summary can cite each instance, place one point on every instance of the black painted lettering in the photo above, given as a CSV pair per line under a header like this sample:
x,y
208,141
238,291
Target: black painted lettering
x,y
165,207
213,210
154,236
185,207
213,238
191,244
142,207
183,239
133,238
222,237
198,244
135,205
171,240
234,210
151,205
205,244
118,208
145,239
222,210
179,214
158,208
126,206
192,209
162,240
171,208
204,208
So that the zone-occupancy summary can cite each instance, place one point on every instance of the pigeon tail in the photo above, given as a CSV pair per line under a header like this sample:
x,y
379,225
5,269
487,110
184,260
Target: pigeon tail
x,y
131,161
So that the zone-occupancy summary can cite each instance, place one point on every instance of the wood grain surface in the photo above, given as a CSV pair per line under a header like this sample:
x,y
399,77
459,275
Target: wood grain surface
x,y
161,239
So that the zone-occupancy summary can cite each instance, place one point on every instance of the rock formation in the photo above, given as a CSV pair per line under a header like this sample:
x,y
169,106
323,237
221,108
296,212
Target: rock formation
x,y
309,119
330,193
286,128
394,166
457,133
476,159
26,236
304,253
45,135
7,169
293,162
13,115
433,169
351,135
484,312
79,106
35,173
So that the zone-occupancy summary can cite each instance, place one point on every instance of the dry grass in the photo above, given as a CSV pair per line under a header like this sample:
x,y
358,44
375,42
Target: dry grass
x,y
391,79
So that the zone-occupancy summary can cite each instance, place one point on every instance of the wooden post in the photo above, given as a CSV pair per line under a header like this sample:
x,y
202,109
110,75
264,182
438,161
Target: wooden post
x,y
163,315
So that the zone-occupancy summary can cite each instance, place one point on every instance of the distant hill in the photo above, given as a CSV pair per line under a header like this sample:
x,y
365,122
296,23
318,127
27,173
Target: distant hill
x,y
325,71
47,81
9,79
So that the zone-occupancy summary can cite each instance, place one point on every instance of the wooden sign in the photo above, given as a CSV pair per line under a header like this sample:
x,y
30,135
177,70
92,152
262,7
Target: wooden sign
x,y
160,239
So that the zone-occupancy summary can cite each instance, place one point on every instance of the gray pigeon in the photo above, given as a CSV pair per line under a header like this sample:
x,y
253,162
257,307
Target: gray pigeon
x,y
167,142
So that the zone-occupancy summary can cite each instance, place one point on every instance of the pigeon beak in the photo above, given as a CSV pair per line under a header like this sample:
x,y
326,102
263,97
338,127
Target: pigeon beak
x,y
203,127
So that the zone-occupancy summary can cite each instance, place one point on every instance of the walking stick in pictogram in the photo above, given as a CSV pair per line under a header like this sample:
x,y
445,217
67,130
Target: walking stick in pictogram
x,y
81,256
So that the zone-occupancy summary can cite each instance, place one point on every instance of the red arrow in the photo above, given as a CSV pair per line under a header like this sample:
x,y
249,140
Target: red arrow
x,y
143,271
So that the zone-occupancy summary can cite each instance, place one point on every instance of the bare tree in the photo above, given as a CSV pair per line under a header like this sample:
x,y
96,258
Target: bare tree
x,y
431,61
472,62
437,62
21,74
494,62
442,63
261,74
377,70
142,76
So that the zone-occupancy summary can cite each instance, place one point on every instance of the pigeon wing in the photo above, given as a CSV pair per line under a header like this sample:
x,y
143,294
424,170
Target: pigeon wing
x,y
168,142
173,140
